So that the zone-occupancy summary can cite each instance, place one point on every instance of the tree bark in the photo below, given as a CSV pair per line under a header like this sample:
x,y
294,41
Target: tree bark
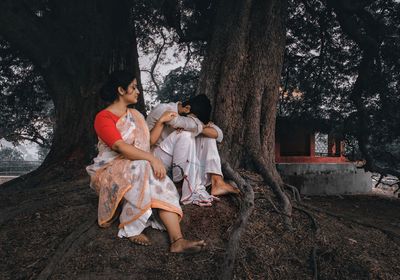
x,y
241,74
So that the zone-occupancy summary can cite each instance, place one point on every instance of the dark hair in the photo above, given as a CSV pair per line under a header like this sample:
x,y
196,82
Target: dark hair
x,y
120,78
200,106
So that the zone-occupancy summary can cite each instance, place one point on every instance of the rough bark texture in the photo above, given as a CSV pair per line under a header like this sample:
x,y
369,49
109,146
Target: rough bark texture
x,y
241,74
75,45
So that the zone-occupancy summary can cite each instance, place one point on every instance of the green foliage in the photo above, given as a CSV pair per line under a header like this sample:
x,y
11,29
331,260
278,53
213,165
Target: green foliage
x,y
179,85
9,154
26,108
322,65
320,68
319,63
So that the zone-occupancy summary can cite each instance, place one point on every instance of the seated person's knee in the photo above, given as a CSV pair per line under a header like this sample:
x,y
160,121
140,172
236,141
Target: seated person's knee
x,y
184,135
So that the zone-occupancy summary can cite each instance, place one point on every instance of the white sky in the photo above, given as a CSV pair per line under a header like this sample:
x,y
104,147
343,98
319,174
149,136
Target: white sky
x,y
169,63
29,150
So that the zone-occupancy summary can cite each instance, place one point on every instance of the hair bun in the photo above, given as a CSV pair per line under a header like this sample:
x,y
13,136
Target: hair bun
x,y
120,78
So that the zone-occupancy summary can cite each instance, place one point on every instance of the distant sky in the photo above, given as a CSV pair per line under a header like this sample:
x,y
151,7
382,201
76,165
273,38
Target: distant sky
x,y
171,61
29,150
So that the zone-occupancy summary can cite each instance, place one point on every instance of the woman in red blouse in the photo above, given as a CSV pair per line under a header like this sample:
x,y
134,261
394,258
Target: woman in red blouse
x,y
125,171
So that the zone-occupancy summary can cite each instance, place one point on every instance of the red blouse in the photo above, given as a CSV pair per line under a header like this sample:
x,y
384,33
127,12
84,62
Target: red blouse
x,y
105,127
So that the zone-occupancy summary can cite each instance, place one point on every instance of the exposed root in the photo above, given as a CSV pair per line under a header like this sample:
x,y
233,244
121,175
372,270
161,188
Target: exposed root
x,y
311,216
73,241
314,263
388,232
276,188
273,205
43,175
295,191
246,208
316,228
275,208
34,204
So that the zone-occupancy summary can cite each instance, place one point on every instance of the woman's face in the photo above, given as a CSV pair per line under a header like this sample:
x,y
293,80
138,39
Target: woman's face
x,y
131,94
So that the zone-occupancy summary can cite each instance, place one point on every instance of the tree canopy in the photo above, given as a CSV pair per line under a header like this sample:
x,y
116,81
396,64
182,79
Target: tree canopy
x,y
27,111
329,59
342,64
323,55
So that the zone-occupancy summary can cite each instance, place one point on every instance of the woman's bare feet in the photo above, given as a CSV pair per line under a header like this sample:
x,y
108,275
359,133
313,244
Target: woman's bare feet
x,y
220,187
140,239
186,246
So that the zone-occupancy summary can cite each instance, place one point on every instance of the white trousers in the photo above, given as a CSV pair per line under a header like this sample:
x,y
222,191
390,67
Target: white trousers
x,y
193,160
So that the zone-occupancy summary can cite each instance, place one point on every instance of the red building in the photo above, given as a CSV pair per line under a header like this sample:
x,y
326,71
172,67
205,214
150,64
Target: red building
x,y
307,141
309,155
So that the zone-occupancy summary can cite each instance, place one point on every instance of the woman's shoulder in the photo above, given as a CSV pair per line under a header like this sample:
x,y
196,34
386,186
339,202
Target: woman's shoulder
x,y
106,114
105,117
136,113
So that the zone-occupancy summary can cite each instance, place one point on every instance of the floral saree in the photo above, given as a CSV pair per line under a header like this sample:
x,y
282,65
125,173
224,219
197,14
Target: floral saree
x,y
119,180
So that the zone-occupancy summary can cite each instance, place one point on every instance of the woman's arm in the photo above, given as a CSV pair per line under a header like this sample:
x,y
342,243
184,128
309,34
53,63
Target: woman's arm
x,y
132,153
155,132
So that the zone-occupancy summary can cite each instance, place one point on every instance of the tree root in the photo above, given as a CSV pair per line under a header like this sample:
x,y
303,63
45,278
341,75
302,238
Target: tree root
x,y
276,187
73,241
295,192
246,208
311,216
316,228
314,262
388,232
34,204
275,208
42,175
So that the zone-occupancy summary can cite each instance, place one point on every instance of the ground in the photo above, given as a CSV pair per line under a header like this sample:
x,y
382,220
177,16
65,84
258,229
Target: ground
x,y
50,232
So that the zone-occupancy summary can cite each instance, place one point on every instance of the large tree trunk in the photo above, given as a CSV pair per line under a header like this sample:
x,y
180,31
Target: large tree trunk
x,y
75,45
241,74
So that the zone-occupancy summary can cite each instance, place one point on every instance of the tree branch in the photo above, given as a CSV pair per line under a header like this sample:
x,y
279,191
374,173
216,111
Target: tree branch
x,y
172,13
368,33
155,62
23,29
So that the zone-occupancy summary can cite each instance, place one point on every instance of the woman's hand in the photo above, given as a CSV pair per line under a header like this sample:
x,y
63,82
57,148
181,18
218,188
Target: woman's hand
x,y
167,116
158,168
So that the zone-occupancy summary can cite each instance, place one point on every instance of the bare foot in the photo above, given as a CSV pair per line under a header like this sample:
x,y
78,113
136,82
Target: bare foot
x,y
140,239
187,246
220,187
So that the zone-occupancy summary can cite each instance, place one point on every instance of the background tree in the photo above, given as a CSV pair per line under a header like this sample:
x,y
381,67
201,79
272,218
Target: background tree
x,y
27,110
326,75
339,53
10,154
319,66
180,84
73,45
240,73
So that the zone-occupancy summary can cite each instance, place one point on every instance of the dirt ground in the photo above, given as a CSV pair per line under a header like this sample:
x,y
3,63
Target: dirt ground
x,y
51,233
